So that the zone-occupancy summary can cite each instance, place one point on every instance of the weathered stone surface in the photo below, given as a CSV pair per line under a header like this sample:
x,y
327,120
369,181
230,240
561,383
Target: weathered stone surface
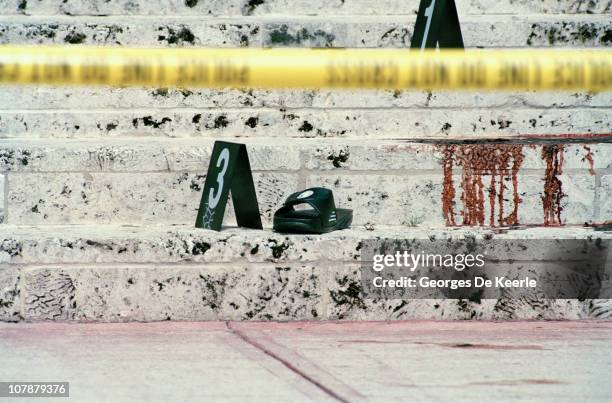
x,y
265,7
96,156
366,31
36,156
134,155
533,31
26,96
128,181
577,156
153,198
605,199
171,244
415,199
2,198
152,293
347,302
121,7
10,305
265,154
411,6
49,294
51,245
579,205
408,200
102,273
388,155
371,156
308,123
135,31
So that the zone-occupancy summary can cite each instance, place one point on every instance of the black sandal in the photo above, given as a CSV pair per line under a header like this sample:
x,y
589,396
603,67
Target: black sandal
x,y
323,217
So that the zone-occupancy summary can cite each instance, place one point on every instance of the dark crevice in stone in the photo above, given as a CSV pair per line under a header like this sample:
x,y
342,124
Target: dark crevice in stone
x,y
338,159
11,247
148,121
250,6
252,122
75,38
200,248
306,127
278,249
177,36
281,36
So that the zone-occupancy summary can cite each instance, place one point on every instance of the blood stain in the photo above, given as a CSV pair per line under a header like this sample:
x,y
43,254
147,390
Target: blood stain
x,y
553,187
499,161
589,157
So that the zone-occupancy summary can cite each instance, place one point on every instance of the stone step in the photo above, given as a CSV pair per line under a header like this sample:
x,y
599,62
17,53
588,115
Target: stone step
x,y
318,122
294,7
48,98
122,273
489,31
390,182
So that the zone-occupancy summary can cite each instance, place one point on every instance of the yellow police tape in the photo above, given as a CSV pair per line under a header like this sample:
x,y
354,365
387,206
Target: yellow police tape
x,y
587,70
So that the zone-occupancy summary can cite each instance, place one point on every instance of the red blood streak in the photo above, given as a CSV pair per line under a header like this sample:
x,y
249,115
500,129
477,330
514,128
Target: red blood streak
x,y
553,187
589,158
501,162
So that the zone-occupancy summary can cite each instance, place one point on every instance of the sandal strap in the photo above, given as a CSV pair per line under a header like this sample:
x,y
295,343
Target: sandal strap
x,y
321,199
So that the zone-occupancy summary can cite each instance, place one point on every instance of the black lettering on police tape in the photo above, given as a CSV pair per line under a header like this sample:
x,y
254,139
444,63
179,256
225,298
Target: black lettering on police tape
x,y
576,73
568,74
559,72
337,75
412,74
331,75
55,72
513,74
95,73
194,73
558,75
34,73
386,73
41,72
434,74
9,72
160,72
381,73
228,72
536,68
473,73
600,73
136,72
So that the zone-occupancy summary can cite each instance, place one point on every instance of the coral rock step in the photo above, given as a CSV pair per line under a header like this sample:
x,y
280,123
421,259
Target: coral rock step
x,y
489,31
128,273
205,9
386,182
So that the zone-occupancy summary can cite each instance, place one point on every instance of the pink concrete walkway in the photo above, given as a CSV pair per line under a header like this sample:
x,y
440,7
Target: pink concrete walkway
x,y
364,361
